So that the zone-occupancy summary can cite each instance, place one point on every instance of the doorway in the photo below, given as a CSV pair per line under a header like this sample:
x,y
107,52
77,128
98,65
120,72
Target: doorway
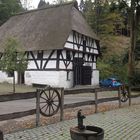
x,y
86,75
82,74
21,79
77,67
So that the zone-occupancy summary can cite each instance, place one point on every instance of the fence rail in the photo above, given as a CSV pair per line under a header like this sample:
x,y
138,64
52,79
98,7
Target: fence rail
x,y
17,115
17,96
62,92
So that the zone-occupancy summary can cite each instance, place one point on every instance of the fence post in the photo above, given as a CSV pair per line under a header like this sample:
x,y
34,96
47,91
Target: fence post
x,y
129,95
119,96
37,107
62,105
96,102
1,135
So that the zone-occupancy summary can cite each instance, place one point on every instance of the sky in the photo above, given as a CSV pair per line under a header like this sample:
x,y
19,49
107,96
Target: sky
x,y
32,4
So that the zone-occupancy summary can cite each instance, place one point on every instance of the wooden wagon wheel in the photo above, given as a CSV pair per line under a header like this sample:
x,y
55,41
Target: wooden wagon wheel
x,y
124,94
49,102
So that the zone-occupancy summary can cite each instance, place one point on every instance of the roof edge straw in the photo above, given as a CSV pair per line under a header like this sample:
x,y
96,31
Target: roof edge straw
x,y
48,7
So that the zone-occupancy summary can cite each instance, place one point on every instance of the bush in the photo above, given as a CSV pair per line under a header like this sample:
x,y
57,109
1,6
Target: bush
x,y
135,80
113,67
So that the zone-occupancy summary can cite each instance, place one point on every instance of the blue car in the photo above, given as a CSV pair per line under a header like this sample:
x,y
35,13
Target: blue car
x,y
110,82
113,82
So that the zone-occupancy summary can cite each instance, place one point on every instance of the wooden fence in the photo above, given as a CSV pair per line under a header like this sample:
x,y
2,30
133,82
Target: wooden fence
x,y
95,102
62,92
13,97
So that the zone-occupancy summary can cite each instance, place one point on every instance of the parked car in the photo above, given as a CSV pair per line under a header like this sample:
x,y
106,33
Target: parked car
x,y
113,82
110,82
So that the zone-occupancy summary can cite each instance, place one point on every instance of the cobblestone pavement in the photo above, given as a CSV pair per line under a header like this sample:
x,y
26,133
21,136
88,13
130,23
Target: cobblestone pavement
x,y
119,124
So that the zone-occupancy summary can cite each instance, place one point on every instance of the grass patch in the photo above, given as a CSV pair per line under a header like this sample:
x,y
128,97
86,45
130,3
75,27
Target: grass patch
x,y
6,88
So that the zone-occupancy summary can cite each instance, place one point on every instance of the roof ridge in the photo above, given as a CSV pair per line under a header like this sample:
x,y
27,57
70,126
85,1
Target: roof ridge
x,y
49,7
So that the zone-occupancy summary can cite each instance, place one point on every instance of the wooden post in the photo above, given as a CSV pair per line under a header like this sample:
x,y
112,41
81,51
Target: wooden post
x,y
62,105
129,95
119,96
96,102
37,107
1,135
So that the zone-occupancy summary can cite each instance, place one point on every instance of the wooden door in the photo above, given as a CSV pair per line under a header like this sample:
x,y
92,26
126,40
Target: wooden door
x,y
86,75
21,79
77,67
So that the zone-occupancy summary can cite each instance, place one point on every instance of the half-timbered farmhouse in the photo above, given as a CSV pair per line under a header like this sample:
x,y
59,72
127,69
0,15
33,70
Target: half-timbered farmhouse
x,y
60,46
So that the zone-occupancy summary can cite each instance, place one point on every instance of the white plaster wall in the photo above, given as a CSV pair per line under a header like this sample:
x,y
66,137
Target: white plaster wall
x,y
70,38
95,77
93,66
4,77
53,78
63,79
42,77
68,45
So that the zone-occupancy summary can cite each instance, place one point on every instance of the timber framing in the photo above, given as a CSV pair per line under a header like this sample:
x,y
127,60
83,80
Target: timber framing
x,y
81,47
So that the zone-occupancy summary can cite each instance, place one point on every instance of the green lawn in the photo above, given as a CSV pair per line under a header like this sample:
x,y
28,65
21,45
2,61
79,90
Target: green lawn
x,y
6,88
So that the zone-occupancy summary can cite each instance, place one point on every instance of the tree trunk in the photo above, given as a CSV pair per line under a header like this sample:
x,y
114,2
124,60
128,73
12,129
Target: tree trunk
x,y
133,42
96,15
14,83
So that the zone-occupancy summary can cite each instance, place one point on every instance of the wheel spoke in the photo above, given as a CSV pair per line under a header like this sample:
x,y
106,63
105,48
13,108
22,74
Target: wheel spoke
x,y
46,95
55,104
52,108
49,93
49,110
44,106
43,98
52,95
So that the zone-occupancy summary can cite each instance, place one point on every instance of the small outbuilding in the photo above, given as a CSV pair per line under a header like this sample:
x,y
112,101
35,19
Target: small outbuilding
x,y
60,46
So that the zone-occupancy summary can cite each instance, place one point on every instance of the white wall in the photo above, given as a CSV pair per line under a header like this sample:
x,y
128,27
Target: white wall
x,y
53,78
4,77
63,79
95,77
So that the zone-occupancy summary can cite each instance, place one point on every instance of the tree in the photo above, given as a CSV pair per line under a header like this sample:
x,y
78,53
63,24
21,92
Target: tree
x,y
9,8
135,34
13,59
103,16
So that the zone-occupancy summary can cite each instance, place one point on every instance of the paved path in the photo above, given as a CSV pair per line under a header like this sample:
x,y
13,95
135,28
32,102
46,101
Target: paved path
x,y
120,124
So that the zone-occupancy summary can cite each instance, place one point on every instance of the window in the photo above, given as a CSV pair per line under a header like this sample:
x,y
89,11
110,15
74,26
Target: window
x,y
40,55
68,75
10,74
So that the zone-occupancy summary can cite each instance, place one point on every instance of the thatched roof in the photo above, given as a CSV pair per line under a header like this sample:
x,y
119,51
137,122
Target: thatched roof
x,y
45,29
